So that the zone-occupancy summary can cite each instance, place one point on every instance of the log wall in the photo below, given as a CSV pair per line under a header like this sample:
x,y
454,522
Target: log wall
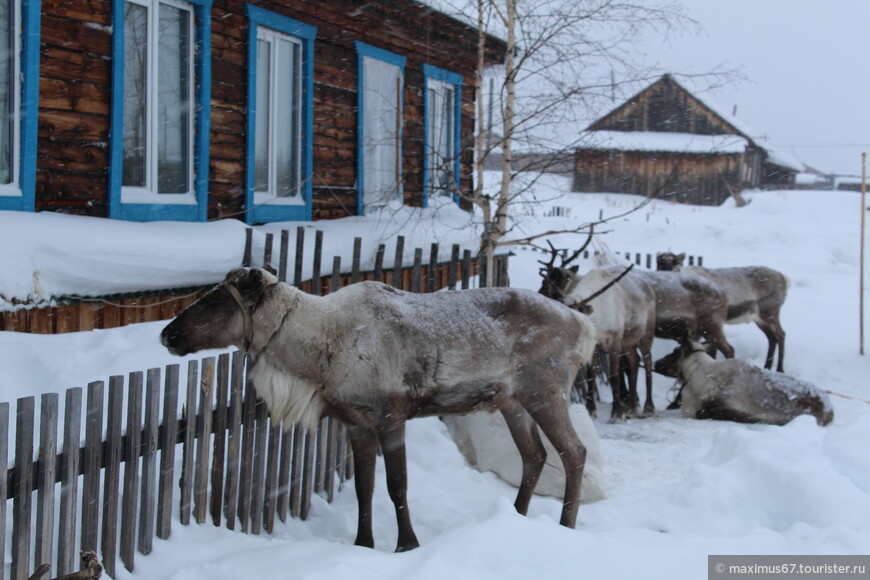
x,y
75,97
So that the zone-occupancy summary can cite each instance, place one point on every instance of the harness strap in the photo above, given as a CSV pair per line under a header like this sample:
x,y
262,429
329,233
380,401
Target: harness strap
x,y
246,314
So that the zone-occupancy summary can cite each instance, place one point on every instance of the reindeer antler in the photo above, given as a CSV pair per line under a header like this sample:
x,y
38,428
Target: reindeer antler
x,y
554,253
566,261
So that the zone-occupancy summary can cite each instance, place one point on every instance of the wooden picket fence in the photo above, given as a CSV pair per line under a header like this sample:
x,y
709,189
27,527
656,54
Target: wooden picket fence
x,y
206,433
643,259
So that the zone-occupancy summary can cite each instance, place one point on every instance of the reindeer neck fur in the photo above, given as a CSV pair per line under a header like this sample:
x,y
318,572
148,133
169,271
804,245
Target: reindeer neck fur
x,y
287,329
693,364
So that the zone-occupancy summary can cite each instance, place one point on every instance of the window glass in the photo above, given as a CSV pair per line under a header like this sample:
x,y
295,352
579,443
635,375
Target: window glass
x,y
135,94
382,85
173,101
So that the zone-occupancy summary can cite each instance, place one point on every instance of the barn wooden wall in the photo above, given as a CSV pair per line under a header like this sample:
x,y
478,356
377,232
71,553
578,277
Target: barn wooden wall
x,y
72,165
684,178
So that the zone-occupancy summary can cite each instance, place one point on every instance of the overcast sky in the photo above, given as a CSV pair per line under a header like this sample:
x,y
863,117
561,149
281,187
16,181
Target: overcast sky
x,y
807,86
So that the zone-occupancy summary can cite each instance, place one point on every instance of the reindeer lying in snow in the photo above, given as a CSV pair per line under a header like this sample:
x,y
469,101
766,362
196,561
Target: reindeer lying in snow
x,y
735,390
755,294
373,357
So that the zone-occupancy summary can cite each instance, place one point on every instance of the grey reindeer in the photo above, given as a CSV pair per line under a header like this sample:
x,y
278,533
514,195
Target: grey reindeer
x,y
374,357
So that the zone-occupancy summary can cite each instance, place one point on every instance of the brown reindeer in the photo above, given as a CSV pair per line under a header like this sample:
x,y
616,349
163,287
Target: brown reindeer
x,y
374,357
755,294
686,307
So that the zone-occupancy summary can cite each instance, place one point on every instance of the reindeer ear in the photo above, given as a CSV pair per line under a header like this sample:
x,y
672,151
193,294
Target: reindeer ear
x,y
574,268
271,269
681,257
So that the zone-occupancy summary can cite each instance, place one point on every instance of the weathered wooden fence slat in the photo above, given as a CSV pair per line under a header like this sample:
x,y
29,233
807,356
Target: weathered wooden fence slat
x,y
92,466
234,417
220,438
168,438
22,488
187,446
112,475
235,464
148,495
203,440
69,480
4,462
127,547
258,483
46,477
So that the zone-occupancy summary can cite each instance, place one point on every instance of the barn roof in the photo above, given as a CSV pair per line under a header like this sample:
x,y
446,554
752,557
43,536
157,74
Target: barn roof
x,y
663,142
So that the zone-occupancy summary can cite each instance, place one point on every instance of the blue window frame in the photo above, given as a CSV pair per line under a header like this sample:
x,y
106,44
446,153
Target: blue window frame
x,y
380,78
279,156
442,113
161,96
19,93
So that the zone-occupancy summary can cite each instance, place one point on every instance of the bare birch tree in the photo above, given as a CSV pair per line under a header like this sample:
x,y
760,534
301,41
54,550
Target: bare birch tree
x,y
562,57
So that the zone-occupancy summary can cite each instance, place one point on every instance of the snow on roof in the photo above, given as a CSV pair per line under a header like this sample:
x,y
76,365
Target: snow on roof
x,y
784,160
665,142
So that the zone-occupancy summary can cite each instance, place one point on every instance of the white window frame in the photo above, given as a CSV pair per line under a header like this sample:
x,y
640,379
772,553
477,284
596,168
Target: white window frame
x,y
436,121
148,194
270,196
13,188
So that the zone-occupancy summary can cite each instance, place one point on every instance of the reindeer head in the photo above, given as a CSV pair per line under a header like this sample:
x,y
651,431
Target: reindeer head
x,y
669,262
558,281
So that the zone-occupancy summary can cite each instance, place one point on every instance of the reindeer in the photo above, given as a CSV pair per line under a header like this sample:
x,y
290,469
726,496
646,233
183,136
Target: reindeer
x,y
624,319
755,294
374,357
685,306
735,390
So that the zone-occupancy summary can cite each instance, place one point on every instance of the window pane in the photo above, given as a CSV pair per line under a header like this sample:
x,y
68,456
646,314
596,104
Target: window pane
x,y
261,148
381,85
135,94
8,86
441,127
173,101
287,118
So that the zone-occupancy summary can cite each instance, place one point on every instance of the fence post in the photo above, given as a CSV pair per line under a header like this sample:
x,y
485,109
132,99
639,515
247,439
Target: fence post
x,y
167,454
109,540
131,470
22,489
45,494
92,466
69,477
397,262
433,268
4,471
149,462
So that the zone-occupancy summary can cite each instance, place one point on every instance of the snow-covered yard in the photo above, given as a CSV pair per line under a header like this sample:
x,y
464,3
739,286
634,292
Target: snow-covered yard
x,y
678,489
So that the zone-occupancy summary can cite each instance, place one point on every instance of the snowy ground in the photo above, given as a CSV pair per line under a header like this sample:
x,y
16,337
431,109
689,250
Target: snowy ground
x,y
678,489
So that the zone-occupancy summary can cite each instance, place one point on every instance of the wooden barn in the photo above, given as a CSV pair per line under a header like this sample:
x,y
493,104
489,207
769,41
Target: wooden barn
x,y
668,143
195,110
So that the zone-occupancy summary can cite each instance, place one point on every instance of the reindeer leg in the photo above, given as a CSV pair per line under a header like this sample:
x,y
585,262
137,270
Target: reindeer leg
x,y
631,363
775,337
617,411
392,437
364,443
554,420
531,448
649,409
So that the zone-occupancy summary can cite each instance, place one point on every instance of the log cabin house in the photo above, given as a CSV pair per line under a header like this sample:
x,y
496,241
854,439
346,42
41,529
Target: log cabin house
x,y
194,110
666,142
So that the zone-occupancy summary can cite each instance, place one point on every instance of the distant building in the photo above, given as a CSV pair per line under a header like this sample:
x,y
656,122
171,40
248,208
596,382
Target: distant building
x,y
668,143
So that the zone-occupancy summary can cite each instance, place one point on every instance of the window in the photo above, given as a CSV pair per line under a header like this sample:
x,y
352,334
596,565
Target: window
x,y
442,102
280,118
19,86
159,118
380,126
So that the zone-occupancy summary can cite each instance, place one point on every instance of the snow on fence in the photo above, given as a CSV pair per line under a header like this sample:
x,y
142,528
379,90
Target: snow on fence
x,y
234,466
87,313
